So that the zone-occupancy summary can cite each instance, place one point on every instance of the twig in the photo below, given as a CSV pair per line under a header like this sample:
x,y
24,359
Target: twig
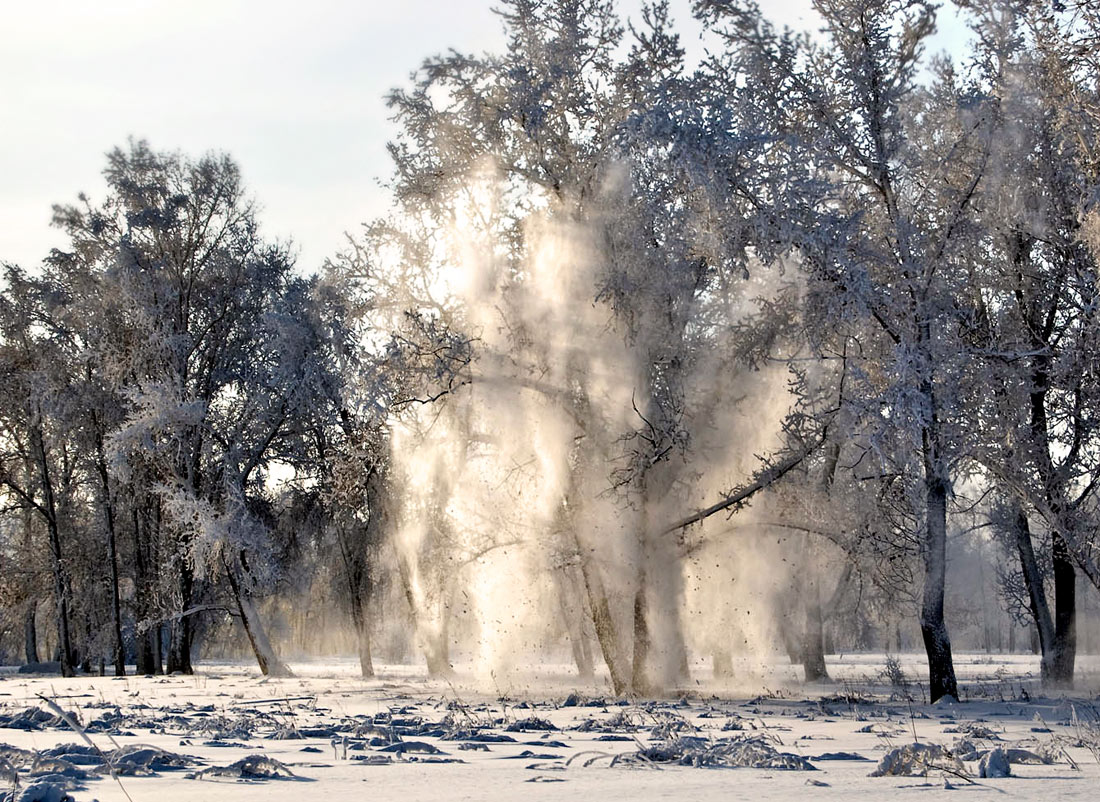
x,y
587,763
274,701
80,731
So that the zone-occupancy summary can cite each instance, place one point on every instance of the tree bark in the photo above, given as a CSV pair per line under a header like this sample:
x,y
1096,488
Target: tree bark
x,y
1064,652
434,646
640,682
937,643
1063,648
30,633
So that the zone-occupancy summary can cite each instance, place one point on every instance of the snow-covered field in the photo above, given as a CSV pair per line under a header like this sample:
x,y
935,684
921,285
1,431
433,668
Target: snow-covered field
x,y
401,737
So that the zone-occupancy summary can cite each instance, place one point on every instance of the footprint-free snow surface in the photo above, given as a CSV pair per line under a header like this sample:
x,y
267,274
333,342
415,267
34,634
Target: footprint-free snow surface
x,y
225,734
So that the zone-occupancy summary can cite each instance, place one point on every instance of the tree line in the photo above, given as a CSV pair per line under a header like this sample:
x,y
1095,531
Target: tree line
x,y
628,317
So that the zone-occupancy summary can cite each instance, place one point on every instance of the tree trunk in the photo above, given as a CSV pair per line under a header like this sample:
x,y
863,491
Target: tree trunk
x,y
813,640
937,643
1037,597
158,640
112,555
366,661
813,636
604,624
144,656
574,624
57,563
433,645
146,647
640,682
439,648
1064,652
269,662
361,620
180,632
30,633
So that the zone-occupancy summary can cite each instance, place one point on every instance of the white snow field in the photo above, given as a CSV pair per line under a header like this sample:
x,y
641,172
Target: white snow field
x,y
403,737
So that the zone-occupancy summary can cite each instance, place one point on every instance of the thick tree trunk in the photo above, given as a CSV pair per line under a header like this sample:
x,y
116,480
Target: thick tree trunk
x,y
1059,659
361,620
437,656
790,631
146,656
366,661
1064,652
640,682
439,648
937,643
30,633
180,632
813,640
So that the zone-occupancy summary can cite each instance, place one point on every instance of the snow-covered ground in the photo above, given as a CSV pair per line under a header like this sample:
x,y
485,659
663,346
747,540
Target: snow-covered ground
x,y
402,737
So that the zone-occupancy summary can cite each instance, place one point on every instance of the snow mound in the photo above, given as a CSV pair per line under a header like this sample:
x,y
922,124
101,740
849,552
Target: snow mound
x,y
751,753
918,758
252,767
994,764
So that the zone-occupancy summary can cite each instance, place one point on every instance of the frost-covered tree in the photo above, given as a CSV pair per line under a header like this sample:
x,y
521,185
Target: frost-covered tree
x,y
875,181
35,460
557,207
209,349
1034,294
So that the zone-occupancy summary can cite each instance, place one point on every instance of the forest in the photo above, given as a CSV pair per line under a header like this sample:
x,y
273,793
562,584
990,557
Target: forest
x,y
653,361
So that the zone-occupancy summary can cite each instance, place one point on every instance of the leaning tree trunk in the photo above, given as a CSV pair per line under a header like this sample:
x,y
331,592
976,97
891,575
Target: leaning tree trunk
x,y
640,682
604,623
574,622
435,645
1033,581
1063,648
268,660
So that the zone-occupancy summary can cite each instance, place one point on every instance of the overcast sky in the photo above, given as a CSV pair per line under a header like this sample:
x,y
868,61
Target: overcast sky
x,y
292,89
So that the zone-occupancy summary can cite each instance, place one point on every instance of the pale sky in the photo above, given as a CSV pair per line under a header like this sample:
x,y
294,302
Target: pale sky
x,y
292,90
